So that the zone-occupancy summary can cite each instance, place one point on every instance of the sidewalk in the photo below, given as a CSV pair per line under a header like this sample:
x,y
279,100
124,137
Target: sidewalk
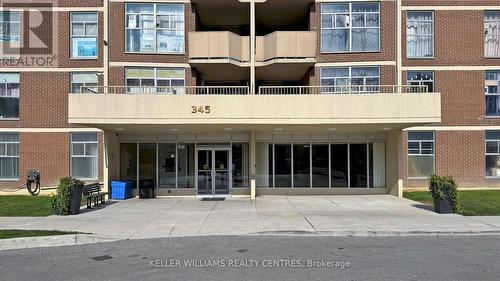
x,y
365,215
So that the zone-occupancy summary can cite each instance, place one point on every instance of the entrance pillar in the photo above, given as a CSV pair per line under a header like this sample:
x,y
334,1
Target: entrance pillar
x,y
252,152
394,162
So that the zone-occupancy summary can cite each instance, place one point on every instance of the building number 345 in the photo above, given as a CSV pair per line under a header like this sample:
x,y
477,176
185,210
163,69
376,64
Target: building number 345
x,y
200,109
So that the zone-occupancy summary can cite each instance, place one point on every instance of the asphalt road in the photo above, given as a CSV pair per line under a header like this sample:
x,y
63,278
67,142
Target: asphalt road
x,y
262,258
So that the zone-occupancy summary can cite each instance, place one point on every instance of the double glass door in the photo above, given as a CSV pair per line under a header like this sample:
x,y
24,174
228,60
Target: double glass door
x,y
213,175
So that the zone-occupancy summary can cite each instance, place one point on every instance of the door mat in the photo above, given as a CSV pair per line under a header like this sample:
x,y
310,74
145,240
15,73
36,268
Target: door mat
x,y
213,199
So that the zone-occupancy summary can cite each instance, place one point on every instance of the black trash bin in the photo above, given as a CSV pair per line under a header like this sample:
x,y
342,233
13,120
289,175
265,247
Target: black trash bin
x,y
146,189
75,199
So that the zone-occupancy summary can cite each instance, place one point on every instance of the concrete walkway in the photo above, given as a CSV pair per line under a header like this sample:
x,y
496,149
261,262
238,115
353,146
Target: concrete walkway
x,y
370,215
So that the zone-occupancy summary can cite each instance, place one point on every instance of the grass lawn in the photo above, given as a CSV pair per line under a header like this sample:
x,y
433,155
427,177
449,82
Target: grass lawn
x,y
16,233
25,206
472,202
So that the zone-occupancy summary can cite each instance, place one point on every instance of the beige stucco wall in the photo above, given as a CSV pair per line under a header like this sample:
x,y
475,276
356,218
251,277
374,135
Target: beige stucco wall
x,y
255,109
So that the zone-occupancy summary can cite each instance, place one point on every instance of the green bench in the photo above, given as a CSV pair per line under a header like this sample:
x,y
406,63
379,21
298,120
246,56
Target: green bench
x,y
92,193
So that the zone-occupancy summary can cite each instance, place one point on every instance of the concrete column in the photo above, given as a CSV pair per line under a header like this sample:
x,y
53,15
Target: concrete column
x,y
252,47
252,152
106,45
394,177
111,159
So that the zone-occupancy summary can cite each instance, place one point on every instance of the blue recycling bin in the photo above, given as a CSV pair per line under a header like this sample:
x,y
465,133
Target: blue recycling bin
x,y
121,190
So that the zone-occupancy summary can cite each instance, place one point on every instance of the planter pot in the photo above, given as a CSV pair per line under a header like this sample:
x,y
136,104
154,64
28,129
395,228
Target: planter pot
x,y
74,200
442,206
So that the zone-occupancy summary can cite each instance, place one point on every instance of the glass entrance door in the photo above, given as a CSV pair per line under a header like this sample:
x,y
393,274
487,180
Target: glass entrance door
x,y
213,171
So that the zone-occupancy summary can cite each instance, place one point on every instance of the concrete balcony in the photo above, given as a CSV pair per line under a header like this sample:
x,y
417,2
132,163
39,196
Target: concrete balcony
x,y
204,106
218,47
286,46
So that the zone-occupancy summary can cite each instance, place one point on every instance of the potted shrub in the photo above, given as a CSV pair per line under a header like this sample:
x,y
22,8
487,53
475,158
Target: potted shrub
x,y
67,199
445,194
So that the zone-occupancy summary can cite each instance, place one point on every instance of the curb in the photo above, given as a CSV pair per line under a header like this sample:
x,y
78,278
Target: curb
x,y
52,241
381,233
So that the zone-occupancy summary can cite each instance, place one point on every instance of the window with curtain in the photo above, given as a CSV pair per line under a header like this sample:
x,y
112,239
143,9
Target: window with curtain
x,y
155,80
492,34
9,95
350,79
84,29
155,28
421,78
492,147
84,156
10,23
350,27
9,156
492,93
88,80
420,34
420,154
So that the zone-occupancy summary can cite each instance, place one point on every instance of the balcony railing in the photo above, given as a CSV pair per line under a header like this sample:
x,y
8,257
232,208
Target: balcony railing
x,y
351,89
164,90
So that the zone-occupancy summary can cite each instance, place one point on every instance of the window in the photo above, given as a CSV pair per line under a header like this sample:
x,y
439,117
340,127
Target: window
x,y
84,151
84,30
350,79
421,78
9,156
350,27
155,80
492,34
10,24
155,28
420,154
84,79
9,95
420,34
492,147
492,93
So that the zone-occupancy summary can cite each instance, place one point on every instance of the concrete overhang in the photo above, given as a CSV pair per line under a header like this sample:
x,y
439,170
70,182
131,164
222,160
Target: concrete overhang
x,y
251,111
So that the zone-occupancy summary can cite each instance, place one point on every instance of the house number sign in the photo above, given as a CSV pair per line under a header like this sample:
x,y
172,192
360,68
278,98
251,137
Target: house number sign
x,y
203,109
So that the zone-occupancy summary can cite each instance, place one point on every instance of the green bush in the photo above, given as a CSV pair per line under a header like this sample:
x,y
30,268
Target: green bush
x,y
60,202
444,188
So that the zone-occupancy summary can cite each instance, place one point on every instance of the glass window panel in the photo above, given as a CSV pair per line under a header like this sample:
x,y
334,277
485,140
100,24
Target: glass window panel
x,y
9,106
78,29
365,39
492,105
128,163
358,20
421,135
335,8
341,21
84,137
163,21
493,165
84,167
140,8
320,166
377,164
167,165
78,149
492,147
90,77
358,165
240,165
84,16
420,34
282,165
12,149
3,149
301,165
177,82
91,149
372,20
147,165
84,47
140,72
170,9
9,137
9,168
186,168
413,145
327,21
420,166
91,29
493,135
263,166
9,77
365,7
170,73
339,169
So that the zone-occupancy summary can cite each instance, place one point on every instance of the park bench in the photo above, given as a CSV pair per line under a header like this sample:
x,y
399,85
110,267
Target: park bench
x,y
92,193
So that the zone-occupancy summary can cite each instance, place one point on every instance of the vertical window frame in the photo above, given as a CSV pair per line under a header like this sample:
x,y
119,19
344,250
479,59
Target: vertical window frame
x,y
154,89
421,82
349,78
5,86
10,34
85,84
485,21
487,85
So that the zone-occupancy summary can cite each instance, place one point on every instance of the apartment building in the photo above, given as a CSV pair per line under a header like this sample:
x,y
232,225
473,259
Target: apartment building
x,y
228,97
